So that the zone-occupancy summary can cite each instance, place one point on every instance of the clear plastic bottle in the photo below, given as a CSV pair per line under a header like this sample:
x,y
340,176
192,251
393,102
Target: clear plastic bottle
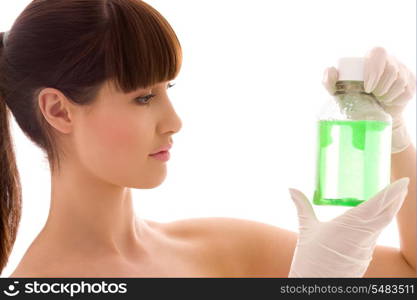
x,y
354,142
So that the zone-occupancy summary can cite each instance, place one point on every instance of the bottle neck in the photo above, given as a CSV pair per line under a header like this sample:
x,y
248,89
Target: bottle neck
x,y
348,86
356,103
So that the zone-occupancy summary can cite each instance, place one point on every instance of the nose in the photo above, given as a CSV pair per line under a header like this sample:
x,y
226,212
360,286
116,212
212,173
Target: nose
x,y
177,122
170,121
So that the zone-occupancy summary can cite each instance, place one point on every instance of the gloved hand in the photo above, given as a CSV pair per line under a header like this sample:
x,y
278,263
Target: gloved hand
x,y
391,83
343,246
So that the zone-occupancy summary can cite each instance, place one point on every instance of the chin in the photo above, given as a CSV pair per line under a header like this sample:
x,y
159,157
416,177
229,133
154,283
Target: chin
x,y
151,182
147,187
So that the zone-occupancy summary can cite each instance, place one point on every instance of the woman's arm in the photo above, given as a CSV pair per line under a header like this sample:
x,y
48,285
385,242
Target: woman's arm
x,y
403,164
246,248
263,250
394,262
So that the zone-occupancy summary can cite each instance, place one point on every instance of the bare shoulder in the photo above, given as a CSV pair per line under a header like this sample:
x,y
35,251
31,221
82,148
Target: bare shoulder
x,y
244,247
45,260
27,266
31,267
26,269
24,274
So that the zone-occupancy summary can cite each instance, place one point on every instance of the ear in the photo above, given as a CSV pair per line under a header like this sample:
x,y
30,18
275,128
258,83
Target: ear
x,y
56,109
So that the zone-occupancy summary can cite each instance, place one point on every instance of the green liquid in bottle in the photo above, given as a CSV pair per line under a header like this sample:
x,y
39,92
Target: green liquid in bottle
x,y
354,161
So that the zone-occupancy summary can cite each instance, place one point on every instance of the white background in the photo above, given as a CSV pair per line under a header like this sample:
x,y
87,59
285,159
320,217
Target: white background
x,y
248,95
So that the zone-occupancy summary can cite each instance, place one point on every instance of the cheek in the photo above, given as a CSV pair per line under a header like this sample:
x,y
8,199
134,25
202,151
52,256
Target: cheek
x,y
115,143
118,135
122,135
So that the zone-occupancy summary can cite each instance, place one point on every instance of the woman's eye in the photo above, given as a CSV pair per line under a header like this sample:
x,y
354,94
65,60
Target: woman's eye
x,y
145,100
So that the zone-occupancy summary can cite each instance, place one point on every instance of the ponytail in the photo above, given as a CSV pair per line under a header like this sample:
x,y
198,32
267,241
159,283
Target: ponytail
x,y
10,189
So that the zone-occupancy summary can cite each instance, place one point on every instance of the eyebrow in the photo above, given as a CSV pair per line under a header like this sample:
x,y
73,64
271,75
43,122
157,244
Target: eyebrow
x,y
144,89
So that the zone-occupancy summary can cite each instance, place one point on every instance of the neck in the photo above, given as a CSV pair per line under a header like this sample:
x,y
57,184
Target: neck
x,y
86,211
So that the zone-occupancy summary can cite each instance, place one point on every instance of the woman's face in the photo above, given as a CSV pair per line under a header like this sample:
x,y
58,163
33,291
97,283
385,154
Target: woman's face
x,y
115,136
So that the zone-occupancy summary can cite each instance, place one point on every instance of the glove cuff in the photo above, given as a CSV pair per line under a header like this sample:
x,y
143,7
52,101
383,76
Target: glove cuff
x,y
400,137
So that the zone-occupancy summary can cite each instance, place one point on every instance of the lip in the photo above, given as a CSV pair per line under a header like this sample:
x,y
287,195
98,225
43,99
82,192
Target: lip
x,y
162,149
163,156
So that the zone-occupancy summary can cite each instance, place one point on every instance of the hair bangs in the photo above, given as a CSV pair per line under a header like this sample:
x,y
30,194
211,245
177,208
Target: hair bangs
x,y
143,48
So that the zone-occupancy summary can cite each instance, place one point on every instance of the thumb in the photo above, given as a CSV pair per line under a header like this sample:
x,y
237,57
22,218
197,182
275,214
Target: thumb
x,y
306,215
378,211
329,79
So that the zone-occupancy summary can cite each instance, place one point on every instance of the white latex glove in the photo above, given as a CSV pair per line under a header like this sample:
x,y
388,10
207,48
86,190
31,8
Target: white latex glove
x,y
391,83
343,246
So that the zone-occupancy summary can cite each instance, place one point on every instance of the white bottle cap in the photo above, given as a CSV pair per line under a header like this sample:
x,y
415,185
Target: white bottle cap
x,y
351,68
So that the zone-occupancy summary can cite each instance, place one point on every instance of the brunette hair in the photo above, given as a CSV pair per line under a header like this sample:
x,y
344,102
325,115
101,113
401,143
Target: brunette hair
x,y
74,46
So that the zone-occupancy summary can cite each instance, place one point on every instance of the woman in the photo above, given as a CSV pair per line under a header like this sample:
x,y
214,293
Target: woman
x,y
86,81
